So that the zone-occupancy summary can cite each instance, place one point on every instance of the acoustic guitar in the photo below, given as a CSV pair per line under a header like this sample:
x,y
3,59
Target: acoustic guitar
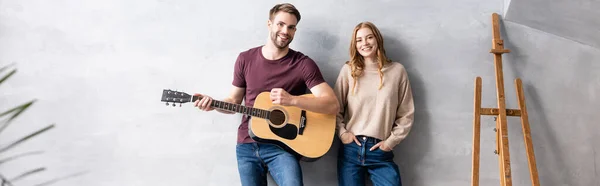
x,y
306,134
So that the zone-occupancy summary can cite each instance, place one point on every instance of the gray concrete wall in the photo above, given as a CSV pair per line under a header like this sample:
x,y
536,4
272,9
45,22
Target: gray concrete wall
x,y
97,69
561,84
576,20
556,51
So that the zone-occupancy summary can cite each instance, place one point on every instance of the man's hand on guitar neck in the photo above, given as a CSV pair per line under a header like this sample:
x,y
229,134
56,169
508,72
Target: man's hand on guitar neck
x,y
206,101
235,96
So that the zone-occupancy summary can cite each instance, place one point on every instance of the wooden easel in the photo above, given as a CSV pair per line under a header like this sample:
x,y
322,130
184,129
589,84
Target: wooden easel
x,y
501,112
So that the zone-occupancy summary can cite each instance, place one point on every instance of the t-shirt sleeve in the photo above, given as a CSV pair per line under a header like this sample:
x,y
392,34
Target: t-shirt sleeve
x,y
311,73
239,79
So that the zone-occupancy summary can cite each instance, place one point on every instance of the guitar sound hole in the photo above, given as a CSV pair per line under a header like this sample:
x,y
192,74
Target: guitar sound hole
x,y
277,117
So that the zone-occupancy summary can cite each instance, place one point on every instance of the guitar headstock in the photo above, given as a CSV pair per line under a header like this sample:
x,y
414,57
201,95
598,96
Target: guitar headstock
x,y
171,96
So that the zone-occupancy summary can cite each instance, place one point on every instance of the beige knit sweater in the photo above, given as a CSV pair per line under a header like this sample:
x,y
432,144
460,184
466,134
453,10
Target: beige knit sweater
x,y
386,113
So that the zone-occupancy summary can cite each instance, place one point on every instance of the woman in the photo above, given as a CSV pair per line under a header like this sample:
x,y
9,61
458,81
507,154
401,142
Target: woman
x,y
376,110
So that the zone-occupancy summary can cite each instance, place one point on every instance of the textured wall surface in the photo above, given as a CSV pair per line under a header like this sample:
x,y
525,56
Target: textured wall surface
x,y
97,69
576,20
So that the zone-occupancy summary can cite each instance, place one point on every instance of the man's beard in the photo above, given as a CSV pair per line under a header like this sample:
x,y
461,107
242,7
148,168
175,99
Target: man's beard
x,y
280,44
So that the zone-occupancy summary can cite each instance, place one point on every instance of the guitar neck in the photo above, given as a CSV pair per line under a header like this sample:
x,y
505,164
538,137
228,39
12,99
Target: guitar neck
x,y
232,107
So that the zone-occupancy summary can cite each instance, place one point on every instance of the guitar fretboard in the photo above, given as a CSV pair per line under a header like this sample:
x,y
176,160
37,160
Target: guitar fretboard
x,y
237,108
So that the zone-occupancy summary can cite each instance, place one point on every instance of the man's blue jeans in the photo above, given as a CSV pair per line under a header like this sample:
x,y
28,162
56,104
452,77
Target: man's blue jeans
x,y
355,161
255,159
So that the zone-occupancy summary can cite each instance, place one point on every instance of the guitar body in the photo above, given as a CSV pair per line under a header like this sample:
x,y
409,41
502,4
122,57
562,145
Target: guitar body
x,y
306,133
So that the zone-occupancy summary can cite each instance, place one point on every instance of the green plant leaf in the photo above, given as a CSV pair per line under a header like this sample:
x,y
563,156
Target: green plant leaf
x,y
4,181
63,178
13,144
11,158
7,76
28,173
6,67
16,112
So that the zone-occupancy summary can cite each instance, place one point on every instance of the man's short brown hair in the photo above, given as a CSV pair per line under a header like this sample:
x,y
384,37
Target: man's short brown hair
x,y
284,7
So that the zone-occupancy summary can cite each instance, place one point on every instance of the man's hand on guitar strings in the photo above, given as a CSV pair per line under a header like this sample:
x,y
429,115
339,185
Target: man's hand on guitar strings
x,y
281,97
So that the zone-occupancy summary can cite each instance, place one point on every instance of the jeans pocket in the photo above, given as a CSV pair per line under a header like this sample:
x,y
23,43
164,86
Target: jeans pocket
x,y
349,148
384,150
383,155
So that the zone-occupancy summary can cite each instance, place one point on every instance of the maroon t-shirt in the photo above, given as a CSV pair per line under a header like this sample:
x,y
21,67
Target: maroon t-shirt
x,y
295,73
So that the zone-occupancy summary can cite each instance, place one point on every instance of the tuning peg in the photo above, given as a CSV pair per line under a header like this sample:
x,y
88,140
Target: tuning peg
x,y
173,104
167,103
179,104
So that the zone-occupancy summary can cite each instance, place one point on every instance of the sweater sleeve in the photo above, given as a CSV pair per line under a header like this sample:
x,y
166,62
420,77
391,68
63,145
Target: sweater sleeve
x,y
341,92
404,113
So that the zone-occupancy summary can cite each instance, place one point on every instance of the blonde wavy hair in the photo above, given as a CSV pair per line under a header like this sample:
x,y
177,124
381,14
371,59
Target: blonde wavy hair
x,y
357,61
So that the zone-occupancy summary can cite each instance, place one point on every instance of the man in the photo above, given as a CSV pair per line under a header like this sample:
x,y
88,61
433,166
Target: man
x,y
286,74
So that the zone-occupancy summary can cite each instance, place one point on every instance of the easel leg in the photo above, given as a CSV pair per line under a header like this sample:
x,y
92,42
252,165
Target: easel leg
x,y
498,50
499,152
476,133
533,173
502,129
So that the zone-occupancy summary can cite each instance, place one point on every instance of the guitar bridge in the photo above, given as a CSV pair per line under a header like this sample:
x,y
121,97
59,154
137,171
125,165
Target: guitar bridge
x,y
302,122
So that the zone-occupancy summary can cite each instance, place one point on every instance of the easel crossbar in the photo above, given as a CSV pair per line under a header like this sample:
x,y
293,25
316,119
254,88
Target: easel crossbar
x,y
495,111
